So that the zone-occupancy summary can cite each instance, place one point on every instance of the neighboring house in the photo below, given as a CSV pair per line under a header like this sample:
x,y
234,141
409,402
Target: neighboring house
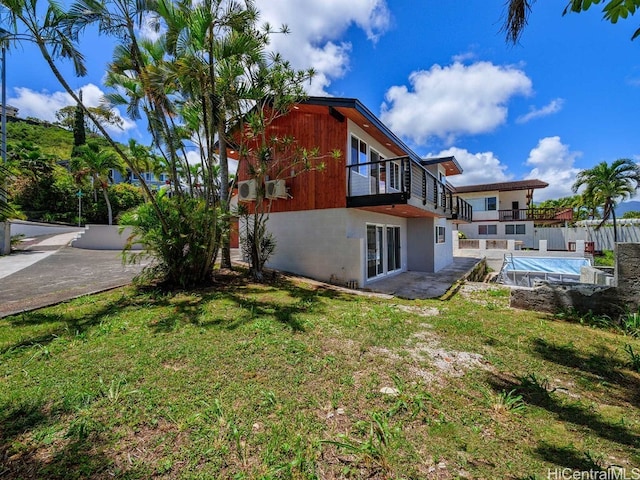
x,y
377,211
11,111
505,211
149,177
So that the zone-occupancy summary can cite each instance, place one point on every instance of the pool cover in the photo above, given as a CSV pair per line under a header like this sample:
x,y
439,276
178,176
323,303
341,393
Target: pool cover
x,y
524,270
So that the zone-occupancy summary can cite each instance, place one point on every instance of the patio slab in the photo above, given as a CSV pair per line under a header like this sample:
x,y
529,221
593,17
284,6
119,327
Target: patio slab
x,y
423,285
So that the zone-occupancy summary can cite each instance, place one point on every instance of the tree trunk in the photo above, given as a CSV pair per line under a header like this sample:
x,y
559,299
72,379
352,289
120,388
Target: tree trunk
x,y
225,260
615,227
106,199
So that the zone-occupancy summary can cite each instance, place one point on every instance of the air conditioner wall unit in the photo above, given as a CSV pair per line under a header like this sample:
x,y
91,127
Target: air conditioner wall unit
x,y
276,189
247,190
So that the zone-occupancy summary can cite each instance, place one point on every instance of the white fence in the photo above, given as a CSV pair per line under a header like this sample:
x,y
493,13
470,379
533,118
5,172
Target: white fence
x,y
560,237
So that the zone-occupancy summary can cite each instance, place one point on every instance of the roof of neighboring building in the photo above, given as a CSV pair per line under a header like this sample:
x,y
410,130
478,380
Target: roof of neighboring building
x,y
450,164
502,186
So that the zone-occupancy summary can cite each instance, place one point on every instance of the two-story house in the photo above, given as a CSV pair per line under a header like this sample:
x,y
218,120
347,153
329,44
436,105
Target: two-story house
x,y
377,211
505,211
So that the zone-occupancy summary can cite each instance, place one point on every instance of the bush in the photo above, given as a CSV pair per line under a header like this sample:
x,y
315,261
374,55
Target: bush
x,y
185,248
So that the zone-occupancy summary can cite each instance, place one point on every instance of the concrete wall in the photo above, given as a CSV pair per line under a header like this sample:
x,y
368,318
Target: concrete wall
x,y
443,252
33,229
5,238
315,243
625,296
103,237
420,244
330,244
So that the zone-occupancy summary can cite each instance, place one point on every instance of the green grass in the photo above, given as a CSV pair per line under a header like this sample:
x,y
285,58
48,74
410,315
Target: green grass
x,y
283,381
607,259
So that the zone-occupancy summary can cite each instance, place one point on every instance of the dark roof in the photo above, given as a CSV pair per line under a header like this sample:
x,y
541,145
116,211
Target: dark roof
x,y
502,186
450,164
337,102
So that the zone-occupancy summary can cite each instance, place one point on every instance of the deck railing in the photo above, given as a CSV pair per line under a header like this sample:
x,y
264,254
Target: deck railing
x,y
401,175
535,214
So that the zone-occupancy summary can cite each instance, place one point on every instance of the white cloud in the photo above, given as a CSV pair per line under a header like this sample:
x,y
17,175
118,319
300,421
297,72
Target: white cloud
x,y
453,100
552,162
45,104
478,168
316,30
553,107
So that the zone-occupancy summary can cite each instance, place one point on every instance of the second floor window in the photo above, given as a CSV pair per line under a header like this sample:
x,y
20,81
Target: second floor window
x,y
394,175
359,155
491,203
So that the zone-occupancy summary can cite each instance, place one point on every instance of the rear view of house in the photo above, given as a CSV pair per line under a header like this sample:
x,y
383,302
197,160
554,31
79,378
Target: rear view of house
x,y
378,210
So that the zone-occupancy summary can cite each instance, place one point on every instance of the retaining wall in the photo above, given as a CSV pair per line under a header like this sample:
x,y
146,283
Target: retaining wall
x,y
103,237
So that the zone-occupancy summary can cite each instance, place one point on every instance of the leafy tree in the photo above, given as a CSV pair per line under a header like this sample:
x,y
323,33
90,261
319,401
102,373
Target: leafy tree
x,y
69,118
631,214
96,164
608,184
6,209
518,11
583,208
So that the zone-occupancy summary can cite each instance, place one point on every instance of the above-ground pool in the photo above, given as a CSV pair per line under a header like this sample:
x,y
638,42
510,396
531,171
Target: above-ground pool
x,y
524,271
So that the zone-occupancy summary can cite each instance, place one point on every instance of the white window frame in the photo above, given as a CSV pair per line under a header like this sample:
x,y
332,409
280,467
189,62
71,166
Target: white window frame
x,y
362,170
384,250
394,176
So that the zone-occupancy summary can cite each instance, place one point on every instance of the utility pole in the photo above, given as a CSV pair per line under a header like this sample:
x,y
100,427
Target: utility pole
x,y
5,227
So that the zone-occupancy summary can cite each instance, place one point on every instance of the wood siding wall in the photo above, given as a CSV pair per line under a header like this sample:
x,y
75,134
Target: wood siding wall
x,y
313,127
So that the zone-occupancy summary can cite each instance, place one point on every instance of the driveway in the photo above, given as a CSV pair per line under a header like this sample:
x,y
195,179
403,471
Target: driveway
x,y
49,271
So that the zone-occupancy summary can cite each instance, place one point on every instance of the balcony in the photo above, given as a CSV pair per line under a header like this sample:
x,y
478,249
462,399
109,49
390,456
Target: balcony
x,y
540,215
402,187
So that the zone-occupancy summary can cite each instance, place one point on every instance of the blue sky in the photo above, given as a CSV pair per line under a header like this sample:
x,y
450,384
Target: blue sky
x,y
441,76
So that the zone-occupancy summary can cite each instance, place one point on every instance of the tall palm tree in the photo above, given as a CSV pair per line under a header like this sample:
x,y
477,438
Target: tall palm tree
x,y
608,184
97,164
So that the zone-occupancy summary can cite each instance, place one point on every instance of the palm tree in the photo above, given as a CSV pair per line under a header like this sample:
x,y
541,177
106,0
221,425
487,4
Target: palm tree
x,y
518,11
608,184
96,164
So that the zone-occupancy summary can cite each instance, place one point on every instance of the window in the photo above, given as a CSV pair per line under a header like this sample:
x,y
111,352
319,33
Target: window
x,y
515,229
393,249
441,234
374,250
491,203
487,229
394,175
359,155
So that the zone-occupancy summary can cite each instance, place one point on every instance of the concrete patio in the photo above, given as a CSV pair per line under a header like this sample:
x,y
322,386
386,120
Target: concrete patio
x,y
423,285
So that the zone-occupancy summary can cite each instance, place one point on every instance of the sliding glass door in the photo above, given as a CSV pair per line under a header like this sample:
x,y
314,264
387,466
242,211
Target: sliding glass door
x,y
383,250
374,251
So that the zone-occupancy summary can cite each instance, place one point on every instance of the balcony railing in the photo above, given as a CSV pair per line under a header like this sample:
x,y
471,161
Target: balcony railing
x,y
536,214
462,210
403,181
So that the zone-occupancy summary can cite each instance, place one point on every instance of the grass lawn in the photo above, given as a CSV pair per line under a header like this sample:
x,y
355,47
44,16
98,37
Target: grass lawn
x,y
284,381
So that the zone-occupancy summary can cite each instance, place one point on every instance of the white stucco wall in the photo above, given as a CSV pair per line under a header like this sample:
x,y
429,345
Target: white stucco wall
x,y
104,237
328,244
443,252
